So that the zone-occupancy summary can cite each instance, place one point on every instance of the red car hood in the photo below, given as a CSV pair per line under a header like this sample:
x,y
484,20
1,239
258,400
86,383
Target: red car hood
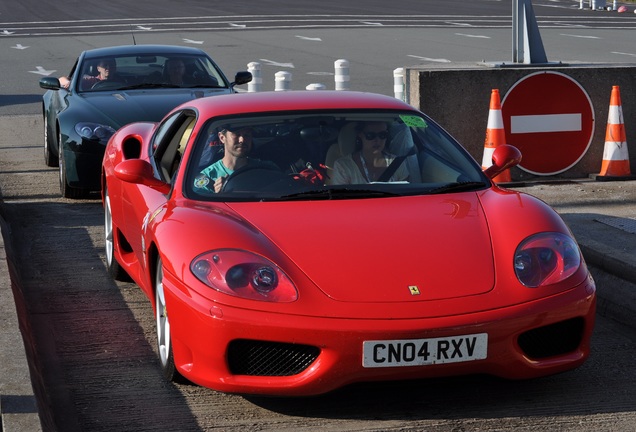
x,y
383,250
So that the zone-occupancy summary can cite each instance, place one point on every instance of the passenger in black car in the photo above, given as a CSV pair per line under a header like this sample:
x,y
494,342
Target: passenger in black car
x,y
175,70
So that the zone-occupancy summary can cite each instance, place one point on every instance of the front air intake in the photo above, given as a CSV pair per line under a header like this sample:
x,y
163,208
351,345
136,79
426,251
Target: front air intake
x,y
553,340
262,358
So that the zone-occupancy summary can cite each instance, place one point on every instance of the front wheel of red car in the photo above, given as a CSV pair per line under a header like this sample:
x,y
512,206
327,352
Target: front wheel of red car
x,y
164,341
113,267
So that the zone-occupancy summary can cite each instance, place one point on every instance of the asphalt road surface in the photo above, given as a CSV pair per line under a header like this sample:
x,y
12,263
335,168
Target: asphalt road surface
x,y
92,343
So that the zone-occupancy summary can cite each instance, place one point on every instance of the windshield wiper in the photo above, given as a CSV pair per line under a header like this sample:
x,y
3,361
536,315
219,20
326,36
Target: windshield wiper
x,y
342,193
148,85
458,187
204,86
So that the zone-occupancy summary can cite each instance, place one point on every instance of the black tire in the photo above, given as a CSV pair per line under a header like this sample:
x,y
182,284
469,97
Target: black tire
x,y
114,269
66,190
164,340
50,157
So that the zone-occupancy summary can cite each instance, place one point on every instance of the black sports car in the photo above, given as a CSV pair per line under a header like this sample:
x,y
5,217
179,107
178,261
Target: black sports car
x,y
110,87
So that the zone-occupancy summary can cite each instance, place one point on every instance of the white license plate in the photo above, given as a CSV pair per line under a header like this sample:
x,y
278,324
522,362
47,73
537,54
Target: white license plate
x,y
419,352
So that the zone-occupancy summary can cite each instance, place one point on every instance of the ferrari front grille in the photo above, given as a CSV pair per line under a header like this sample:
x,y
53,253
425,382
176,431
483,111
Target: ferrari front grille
x,y
262,358
552,340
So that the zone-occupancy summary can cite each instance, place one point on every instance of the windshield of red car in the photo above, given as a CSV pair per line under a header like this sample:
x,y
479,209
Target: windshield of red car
x,y
318,155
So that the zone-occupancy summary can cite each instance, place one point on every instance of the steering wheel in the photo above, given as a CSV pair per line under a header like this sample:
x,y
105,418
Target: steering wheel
x,y
106,84
253,178
202,78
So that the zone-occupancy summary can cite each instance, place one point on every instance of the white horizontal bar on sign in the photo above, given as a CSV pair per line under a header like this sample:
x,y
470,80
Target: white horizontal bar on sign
x,y
545,123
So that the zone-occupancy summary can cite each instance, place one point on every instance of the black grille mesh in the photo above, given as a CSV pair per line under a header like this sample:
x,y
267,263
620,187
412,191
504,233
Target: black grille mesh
x,y
261,358
555,339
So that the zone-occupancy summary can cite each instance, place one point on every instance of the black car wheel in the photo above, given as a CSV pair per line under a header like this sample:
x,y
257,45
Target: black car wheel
x,y
114,269
66,190
50,157
164,340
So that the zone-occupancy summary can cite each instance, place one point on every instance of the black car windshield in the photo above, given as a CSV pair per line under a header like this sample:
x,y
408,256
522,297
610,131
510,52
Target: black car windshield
x,y
137,71
336,155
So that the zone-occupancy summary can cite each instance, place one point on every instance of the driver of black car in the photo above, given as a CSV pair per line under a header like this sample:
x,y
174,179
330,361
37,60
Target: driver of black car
x,y
106,69
237,145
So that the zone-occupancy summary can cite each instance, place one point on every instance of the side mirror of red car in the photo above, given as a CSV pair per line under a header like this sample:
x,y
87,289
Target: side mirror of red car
x,y
504,157
139,171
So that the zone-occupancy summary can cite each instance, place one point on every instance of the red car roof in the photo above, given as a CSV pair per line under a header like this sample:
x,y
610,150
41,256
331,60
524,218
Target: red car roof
x,y
293,100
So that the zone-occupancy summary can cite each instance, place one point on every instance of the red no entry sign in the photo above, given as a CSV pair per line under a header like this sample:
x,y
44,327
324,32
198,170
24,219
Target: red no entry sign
x,y
550,118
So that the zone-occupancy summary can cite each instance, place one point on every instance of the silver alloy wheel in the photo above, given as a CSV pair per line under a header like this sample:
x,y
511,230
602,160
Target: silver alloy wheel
x,y
46,139
163,324
108,231
61,164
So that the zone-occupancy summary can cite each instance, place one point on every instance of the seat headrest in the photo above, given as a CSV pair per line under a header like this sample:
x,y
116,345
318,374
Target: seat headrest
x,y
347,138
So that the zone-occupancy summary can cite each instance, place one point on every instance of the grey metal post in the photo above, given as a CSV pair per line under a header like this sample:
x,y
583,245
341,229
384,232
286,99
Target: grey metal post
x,y
527,46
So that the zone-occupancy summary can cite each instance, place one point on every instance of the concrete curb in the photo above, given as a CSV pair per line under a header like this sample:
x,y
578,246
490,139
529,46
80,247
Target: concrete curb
x,y
618,302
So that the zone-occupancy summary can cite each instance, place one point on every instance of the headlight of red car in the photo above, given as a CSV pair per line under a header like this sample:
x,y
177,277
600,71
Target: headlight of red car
x,y
546,258
244,274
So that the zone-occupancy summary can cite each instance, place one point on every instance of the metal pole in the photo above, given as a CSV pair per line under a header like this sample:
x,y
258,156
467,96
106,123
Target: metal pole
x,y
527,46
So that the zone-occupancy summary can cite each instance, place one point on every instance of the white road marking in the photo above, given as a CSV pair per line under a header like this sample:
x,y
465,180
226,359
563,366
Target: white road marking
x,y
274,63
441,60
41,71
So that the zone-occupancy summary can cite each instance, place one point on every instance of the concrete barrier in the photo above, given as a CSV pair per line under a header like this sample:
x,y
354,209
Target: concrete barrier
x,y
458,97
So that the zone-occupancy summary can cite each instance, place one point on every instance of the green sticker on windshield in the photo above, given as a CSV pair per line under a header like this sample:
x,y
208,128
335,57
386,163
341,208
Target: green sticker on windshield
x,y
413,121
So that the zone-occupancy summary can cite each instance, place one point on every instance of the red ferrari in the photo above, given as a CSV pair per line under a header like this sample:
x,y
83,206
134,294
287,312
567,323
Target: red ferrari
x,y
295,242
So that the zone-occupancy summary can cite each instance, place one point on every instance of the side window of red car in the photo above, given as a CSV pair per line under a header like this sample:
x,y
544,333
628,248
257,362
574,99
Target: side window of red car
x,y
170,142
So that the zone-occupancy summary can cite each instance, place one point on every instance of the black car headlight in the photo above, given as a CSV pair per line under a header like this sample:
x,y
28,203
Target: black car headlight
x,y
94,131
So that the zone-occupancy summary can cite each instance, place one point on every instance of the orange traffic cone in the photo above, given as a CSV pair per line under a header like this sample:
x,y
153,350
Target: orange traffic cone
x,y
615,164
495,135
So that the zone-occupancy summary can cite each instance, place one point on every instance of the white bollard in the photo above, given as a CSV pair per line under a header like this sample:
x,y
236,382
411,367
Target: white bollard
x,y
282,80
398,83
582,5
257,79
316,86
341,77
614,6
